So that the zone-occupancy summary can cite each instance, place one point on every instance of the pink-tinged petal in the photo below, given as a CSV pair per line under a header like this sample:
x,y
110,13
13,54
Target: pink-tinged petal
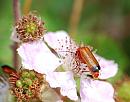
x,y
37,56
96,91
14,36
65,81
61,42
108,67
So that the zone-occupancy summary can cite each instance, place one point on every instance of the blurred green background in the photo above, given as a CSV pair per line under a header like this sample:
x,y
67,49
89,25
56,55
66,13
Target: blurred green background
x,y
103,24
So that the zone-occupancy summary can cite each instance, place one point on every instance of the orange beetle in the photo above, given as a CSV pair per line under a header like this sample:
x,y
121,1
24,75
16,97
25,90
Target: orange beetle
x,y
85,55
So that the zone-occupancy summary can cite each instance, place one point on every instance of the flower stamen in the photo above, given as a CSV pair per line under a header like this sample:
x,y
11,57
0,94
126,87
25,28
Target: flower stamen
x,y
27,85
29,28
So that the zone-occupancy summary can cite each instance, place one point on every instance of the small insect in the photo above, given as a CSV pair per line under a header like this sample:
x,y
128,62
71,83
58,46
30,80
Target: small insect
x,y
85,55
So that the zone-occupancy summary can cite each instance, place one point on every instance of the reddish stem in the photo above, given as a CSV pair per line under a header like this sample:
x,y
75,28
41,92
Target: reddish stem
x,y
16,12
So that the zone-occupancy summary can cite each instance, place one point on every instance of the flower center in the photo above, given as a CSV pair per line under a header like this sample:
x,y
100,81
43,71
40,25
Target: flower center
x,y
31,27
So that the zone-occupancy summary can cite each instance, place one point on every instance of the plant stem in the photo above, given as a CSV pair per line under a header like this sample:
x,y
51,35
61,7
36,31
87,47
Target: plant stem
x,y
16,12
75,16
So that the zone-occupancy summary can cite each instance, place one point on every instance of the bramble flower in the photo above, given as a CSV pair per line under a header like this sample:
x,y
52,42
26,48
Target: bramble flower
x,y
26,85
29,28
37,56
90,90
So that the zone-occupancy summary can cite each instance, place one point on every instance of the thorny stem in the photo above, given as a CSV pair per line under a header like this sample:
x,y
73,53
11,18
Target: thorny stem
x,y
75,16
16,12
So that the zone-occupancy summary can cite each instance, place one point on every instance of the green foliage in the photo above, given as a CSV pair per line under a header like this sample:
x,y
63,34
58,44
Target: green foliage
x,y
6,19
124,91
125,4
55,13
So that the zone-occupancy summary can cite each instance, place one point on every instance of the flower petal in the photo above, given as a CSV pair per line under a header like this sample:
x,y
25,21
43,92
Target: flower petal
x,y
108,67
65,81
64,46
14,36
96,91
61,42
37,56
